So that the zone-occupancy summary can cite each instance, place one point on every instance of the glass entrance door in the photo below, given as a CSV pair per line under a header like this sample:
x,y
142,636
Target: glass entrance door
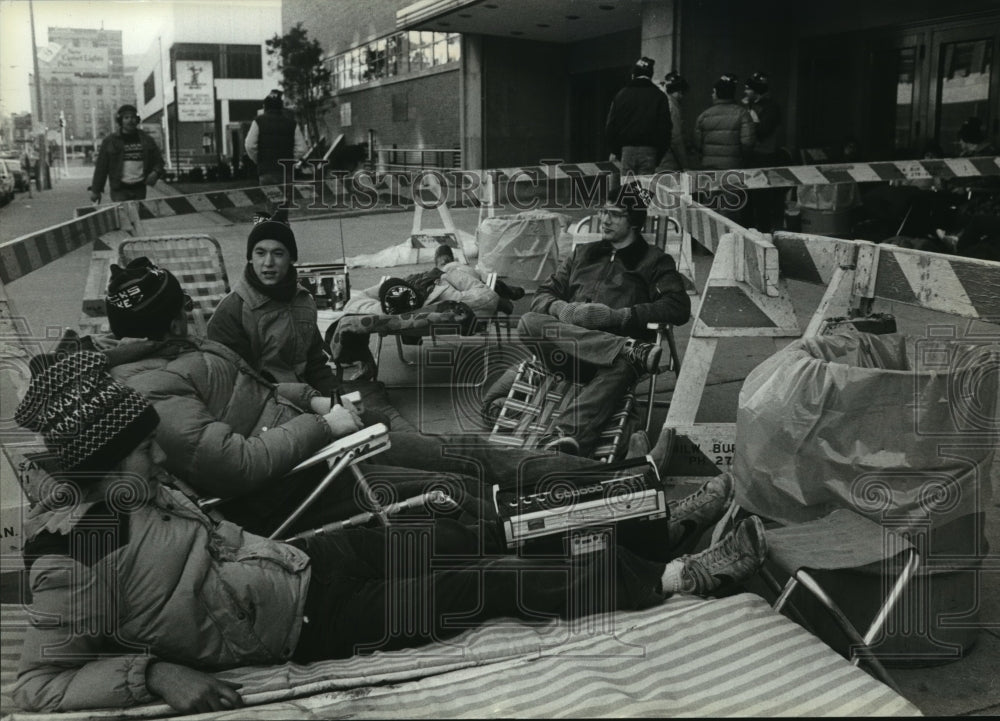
x,y
965,82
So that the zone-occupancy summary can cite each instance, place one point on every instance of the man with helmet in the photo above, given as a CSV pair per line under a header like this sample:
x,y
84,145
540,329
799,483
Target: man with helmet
x,y
724,132
129,160
676,157
766,117
638,127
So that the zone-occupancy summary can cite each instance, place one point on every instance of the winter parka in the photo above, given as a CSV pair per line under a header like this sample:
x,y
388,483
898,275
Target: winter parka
x,y
225,429
210,596
724,135
278,338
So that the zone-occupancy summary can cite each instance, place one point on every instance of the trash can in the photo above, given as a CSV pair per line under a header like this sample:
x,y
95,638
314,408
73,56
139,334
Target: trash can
x,y
899,429
826,209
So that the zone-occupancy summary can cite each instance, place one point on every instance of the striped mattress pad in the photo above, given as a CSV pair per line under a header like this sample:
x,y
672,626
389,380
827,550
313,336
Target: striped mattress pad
x,y
687,657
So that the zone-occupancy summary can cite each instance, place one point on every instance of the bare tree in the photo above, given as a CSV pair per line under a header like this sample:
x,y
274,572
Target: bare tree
x,y
305,77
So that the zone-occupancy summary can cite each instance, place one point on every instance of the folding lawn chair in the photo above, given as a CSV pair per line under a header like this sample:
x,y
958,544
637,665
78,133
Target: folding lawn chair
x,y
537,398
343,454
842,540
483,326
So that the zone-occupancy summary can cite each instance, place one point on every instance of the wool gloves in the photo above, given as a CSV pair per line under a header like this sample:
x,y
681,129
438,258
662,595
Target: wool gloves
x,y
595,316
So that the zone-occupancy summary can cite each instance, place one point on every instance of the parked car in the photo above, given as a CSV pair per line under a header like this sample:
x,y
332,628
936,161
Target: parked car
x,y
6,181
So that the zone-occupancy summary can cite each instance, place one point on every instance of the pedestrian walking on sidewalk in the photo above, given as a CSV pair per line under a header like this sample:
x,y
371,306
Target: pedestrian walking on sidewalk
x,y
129,160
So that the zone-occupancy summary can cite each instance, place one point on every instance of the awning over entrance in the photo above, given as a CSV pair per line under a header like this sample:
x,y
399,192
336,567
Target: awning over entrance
x,y
561,21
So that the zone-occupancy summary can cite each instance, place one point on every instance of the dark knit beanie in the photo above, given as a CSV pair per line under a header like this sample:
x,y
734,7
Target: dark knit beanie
x,y
634,199
396,296
142,300
273,101
643,68
85,416
273,228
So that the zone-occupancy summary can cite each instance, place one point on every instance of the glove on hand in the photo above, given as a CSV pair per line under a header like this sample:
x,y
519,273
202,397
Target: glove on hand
x,y
598,316
556,307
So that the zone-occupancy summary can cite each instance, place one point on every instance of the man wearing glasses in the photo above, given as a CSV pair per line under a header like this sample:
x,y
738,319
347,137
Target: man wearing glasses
x,y
588,320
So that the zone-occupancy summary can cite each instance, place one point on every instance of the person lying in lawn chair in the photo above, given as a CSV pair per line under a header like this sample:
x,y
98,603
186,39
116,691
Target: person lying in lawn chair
x,y
589,320
137,595
448,280
450,293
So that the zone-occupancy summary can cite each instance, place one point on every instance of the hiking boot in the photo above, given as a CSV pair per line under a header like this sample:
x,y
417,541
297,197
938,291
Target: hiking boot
x,y
638,445
731,561
645,357
692,515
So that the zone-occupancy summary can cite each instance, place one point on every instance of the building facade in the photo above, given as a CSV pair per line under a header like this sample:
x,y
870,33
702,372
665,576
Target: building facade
x,y
83,81
510,82
205,77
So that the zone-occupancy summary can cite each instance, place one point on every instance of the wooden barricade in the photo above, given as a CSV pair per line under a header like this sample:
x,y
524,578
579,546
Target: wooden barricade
x,y
745,296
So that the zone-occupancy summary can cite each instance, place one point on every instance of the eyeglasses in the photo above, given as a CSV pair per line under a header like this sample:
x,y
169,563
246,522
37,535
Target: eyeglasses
x,y
188,303
613,213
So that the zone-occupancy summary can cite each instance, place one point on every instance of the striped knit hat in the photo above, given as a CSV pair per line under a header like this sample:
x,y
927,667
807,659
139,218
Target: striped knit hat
x,y
91,420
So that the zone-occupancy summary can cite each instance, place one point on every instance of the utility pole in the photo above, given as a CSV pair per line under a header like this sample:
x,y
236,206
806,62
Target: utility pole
x,y
164,120
62,131
42,179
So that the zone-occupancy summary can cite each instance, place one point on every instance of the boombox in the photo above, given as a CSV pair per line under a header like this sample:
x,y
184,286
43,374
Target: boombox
x,y
570,505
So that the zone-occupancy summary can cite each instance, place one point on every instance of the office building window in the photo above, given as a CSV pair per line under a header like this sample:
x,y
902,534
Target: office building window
x,y
394,55
241,61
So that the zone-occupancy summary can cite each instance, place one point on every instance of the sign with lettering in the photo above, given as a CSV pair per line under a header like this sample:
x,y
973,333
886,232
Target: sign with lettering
x,y
195,91
70,60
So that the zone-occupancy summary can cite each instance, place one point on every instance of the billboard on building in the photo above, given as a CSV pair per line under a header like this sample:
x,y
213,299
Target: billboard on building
x,y
195,93
69,60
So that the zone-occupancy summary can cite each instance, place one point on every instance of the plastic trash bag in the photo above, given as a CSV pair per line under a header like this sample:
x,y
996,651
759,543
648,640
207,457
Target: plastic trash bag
x,y
890,426
522,246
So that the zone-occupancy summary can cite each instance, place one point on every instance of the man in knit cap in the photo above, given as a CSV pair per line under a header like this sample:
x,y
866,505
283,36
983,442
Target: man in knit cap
x,y
274,136
138,596
269,318
597,306
226,428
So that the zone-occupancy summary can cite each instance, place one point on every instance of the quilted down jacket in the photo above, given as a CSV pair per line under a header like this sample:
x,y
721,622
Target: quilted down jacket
x,y
277,338
211,595
225,429
724,135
